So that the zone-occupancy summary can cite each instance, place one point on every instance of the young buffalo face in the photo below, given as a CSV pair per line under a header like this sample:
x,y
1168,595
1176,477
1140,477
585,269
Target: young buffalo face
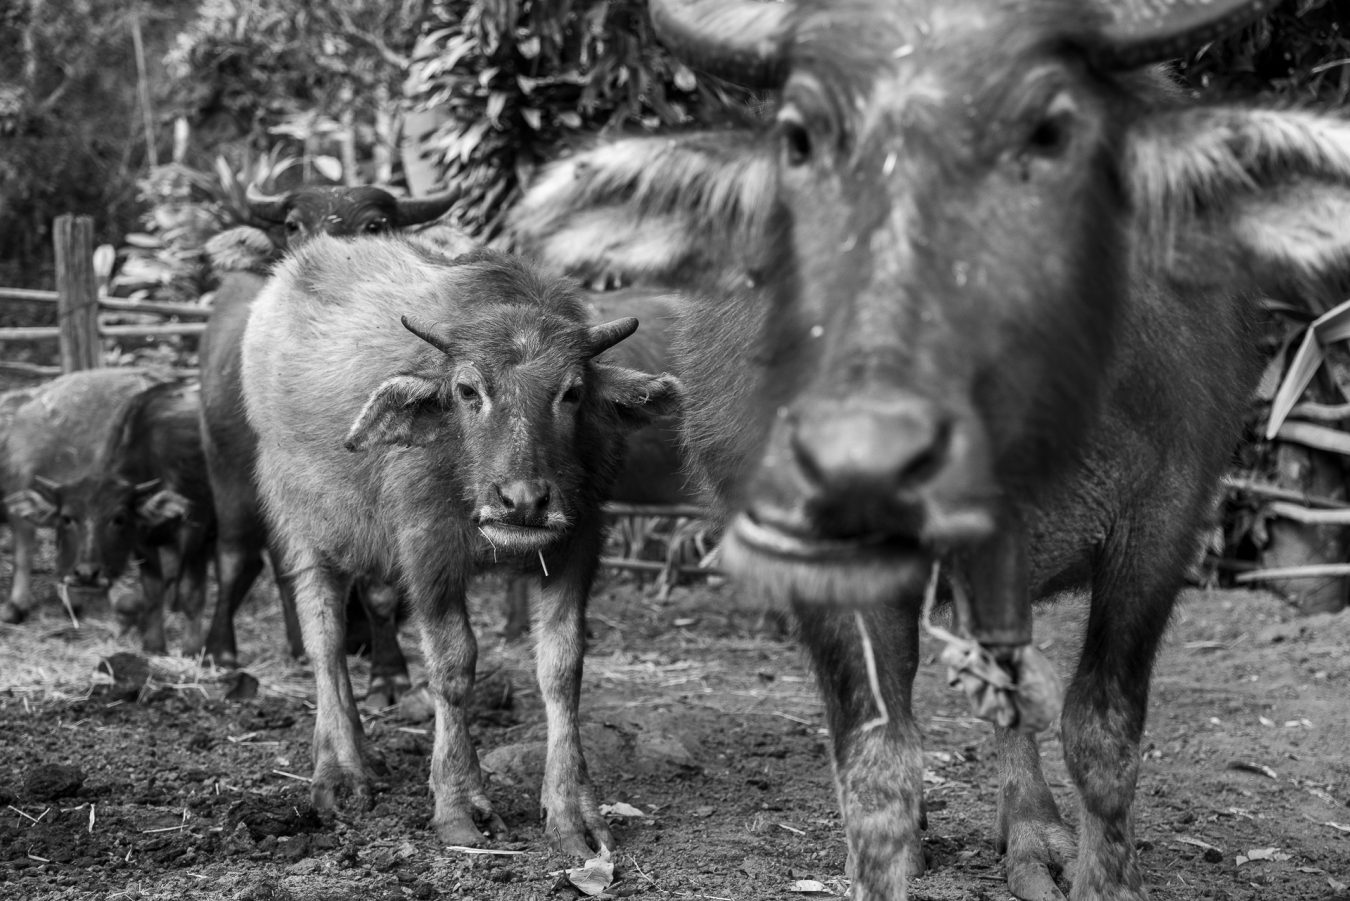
x,y
528,413
96,522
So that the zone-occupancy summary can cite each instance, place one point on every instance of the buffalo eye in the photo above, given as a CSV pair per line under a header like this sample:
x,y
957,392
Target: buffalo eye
x,y
67,520
119,520
572,395
796,139
467,393
292,226
375,226
1053,132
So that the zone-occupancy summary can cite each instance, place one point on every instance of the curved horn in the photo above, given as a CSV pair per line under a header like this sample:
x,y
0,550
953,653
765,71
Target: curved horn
x,y
272,207
739,40
1143,31
600,338
437,334
412,211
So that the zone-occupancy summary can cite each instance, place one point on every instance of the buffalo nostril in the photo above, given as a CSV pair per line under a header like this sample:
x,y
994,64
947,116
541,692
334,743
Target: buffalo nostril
x,y
526,498
871,447
86,572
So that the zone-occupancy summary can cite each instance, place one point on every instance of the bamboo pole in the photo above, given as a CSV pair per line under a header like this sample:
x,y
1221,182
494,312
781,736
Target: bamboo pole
x,y
27,294
77,287
687,510
1311,571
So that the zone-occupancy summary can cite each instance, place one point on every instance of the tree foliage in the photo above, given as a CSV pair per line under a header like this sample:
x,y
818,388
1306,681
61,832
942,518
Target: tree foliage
x,y
71,132
518,80
1300,51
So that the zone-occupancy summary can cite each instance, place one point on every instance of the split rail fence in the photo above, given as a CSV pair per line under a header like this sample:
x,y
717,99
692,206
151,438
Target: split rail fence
x,y
80,296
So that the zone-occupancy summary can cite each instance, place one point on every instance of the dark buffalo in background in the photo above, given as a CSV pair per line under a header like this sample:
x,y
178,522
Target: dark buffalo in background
x,y
476,433
158,441
653,470
242,257
21,581
60,471
983,293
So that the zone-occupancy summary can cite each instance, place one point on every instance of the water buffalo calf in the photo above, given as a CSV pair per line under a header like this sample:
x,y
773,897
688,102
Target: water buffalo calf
x,y
982,293
61,472
422,419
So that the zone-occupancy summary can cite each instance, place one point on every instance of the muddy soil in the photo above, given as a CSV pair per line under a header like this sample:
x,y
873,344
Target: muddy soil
x,y
697,712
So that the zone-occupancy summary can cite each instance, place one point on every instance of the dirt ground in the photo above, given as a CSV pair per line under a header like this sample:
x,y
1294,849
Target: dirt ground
x,y
698,713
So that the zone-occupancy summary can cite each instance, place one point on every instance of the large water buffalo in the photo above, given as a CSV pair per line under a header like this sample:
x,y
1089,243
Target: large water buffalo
x,y
242,258
61,471
425,418
982,293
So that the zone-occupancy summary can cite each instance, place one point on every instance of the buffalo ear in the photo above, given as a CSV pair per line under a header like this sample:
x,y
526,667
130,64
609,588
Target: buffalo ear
x,y
1246,195
406,410
639,397
160,506
33,504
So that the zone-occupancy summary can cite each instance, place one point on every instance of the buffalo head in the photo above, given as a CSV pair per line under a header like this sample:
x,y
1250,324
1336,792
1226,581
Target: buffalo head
x,y
343,211
521,399
97,520
923,267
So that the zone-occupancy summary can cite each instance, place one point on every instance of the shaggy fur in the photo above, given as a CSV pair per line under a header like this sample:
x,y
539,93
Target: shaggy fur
x,y
421,419
994,307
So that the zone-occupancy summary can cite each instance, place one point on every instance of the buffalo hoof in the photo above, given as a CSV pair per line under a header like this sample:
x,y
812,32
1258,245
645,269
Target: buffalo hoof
x,y
1035,853
465,827
386,690
12,613
580,835
335,788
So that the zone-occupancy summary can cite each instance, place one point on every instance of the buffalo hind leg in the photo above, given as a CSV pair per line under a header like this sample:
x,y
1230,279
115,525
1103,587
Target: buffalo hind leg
x,y
388,669
878,760
1030,833
451,653
238,564
573,823
340,770
517,604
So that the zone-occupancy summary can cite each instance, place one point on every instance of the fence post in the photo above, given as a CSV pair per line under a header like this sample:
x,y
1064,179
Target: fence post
x,y
77,293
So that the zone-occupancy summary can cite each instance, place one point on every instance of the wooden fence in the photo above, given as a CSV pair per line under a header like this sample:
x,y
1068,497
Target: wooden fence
x,y
81,293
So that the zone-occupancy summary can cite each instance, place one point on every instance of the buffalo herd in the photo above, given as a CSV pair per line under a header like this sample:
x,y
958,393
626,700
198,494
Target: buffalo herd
x,y
971,316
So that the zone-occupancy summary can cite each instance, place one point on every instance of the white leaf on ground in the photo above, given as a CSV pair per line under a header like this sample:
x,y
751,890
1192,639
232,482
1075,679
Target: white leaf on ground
x,y
620,809
1261,854
810,886
595,875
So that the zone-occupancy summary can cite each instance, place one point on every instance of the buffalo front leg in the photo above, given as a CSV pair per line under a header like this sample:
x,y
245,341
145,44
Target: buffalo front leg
x,y
20,603
341,777
573,823
877,749
1030,833
451,653
1103,720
